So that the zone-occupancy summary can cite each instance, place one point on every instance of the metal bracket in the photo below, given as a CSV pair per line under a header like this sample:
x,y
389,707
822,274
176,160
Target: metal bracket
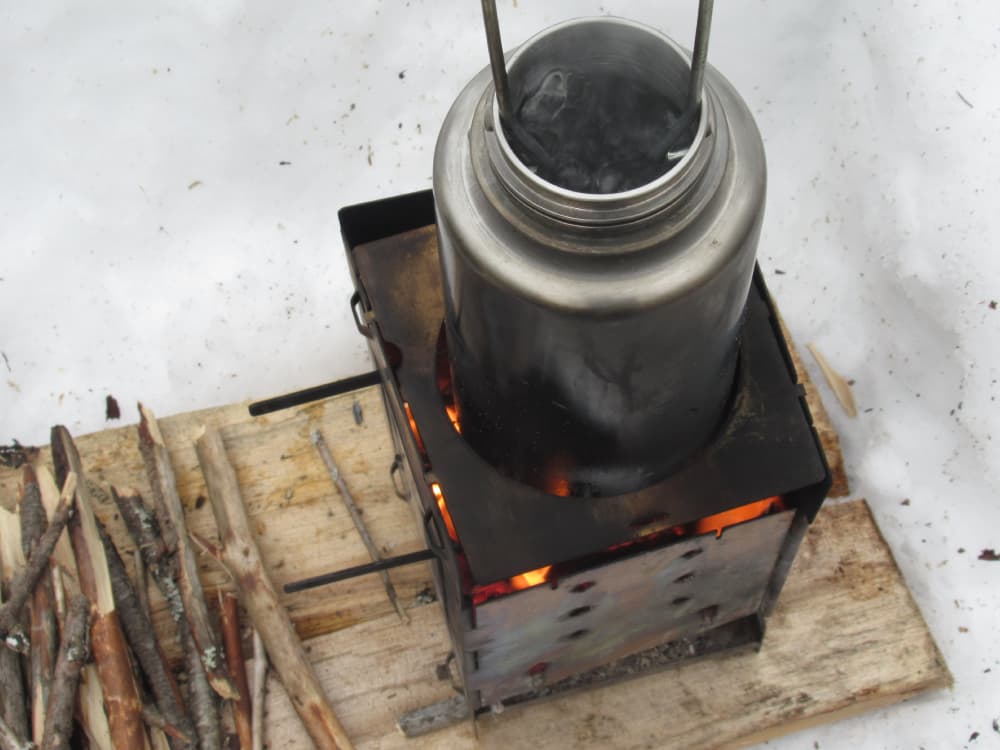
x,y
363,328
397,479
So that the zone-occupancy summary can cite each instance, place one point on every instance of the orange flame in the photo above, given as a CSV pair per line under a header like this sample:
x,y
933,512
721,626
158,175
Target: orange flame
x,y
414,430
445,515
531,578
452,411
747,512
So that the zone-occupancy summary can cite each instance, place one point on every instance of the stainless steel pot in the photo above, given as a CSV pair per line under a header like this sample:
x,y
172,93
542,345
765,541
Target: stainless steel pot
x,y
594,338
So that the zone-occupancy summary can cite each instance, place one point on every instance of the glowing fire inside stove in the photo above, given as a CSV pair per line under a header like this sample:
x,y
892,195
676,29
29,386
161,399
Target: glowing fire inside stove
x,y
747,512
445,515
531,578
414,429
452,411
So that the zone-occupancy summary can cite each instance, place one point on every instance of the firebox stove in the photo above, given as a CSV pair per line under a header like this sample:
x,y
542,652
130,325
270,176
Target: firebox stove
x,y
596,417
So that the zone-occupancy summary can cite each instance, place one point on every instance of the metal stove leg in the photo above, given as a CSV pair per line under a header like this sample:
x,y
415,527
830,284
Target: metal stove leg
x,y
435,716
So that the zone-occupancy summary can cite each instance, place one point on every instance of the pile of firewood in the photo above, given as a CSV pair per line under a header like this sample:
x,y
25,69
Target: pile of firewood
x,y
81,664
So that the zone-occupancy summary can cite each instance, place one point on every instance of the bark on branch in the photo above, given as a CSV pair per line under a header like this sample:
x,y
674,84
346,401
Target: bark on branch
x,y
145,532
44,634
13,711
142,638
73,655
170,512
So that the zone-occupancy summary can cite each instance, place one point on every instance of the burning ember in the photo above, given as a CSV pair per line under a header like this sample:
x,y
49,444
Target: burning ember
x,y
445,515
747,512
531,578
664,535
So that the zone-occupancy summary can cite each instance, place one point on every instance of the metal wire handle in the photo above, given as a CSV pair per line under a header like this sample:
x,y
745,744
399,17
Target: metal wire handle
x,y
498,65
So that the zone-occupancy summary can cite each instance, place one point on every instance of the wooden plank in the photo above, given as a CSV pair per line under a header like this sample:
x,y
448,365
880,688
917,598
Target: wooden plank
x,y
846,638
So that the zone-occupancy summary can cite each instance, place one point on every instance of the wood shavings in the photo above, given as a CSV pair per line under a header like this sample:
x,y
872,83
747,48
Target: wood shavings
x,y
840,387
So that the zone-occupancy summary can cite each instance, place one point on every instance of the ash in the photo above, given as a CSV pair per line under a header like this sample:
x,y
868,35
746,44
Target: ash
x,y
594,132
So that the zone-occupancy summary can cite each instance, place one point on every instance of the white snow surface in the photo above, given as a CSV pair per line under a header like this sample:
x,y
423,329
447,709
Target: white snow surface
x,y
154,246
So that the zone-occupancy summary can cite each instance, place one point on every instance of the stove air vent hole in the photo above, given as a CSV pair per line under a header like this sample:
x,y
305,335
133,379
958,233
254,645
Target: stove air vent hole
x,y
576,612
583,586
576,634
684,578
681,600
690,554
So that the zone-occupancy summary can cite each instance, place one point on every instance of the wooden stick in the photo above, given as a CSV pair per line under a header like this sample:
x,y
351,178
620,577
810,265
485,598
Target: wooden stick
x,y
12,702
259,691
121,694
11,740
840,387
158,739
141,637
155,720
145,531
158,736
359,524
260,599
170,512
24,580
202,700
72,655
64,583
11,554
62,555
237,667
44,636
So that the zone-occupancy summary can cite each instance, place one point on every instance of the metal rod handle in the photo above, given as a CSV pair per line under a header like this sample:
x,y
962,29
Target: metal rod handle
x,y
497,62
386,563
498,65
699,56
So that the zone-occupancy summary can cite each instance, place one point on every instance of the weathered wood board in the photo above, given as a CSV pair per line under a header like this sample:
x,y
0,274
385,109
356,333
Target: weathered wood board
x,y
846,637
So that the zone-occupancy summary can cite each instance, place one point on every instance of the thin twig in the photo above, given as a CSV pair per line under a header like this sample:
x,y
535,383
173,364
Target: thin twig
x,y
170,511
259,691
41,607
141,637
230,612
73,655
359,524
65,584
145,532
13,706
154,719
840,387
24,580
